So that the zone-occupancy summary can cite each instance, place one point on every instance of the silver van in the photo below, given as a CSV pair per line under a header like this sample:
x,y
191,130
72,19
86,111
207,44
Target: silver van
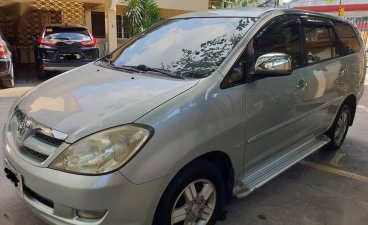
x,y
170,126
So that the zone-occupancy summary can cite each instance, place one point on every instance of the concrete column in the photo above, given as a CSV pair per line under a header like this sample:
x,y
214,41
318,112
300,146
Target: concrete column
x,y
110,24
88,17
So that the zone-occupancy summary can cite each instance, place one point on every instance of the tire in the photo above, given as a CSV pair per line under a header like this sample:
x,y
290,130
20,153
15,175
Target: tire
x,y
8,83
201,176
337,133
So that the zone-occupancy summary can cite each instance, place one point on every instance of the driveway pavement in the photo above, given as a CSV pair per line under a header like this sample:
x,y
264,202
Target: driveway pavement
x,y
324,189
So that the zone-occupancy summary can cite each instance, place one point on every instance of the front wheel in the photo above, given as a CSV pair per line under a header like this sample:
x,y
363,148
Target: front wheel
x,y
339,129
194,197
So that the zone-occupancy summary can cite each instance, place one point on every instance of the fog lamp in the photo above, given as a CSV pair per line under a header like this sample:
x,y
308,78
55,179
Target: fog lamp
x,y
91,214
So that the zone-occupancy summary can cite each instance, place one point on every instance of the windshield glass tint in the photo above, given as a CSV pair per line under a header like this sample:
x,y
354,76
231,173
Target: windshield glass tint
x,y
193,47
70,34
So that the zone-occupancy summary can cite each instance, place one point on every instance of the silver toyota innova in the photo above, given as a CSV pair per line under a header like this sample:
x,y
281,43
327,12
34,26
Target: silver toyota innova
x,y
171,125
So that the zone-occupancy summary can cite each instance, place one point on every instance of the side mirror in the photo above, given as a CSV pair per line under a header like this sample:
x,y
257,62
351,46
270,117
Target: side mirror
x,y
274,64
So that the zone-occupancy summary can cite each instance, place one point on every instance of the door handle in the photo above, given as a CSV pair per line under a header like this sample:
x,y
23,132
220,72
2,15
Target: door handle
x,y
302,84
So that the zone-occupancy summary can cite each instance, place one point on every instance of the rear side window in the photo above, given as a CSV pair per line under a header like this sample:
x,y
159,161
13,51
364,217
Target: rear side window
x,y
318,43
347,37
67,34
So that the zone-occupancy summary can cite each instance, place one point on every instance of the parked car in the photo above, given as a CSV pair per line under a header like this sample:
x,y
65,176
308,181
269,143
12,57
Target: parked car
x,y
201,107
62,47
6,65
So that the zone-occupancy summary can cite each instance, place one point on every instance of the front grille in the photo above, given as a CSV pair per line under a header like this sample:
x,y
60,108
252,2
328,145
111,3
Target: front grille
x,y
49,140
41,157
38,197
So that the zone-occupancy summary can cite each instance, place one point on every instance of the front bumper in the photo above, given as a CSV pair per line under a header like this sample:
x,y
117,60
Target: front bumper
x,y
62,66
126,203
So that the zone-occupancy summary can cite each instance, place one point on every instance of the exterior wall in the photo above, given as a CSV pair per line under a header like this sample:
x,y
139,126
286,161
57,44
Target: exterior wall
x,y
168,13
32,18
190,5
71,11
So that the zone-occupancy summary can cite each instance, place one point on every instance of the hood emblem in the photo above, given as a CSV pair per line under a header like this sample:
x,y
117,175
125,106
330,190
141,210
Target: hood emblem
x,y
22,125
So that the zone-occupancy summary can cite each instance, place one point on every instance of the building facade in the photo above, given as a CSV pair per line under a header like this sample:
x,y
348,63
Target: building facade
x,y
22,19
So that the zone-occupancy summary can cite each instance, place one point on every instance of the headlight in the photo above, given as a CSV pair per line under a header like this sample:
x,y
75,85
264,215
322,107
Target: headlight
x,y
103,152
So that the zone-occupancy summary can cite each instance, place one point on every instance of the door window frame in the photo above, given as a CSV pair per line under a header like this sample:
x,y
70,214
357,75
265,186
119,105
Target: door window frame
x,y
247,55
319,22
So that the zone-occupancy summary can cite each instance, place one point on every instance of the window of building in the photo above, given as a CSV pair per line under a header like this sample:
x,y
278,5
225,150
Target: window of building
x,y
318,43
98,24
119,26
348,39
126,28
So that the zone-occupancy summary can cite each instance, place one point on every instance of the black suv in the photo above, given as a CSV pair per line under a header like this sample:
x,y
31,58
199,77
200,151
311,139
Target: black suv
x,y
62,47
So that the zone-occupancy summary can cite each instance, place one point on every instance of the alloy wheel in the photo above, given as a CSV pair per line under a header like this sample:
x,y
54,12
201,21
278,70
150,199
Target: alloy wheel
x,y
195,204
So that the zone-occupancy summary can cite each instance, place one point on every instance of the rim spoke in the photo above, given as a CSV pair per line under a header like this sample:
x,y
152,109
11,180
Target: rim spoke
x,y
340,122
337,132
179,214
190,192
207,191
207,211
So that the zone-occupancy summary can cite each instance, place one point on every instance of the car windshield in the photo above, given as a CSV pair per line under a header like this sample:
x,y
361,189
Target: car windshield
x,y
70,34
191,47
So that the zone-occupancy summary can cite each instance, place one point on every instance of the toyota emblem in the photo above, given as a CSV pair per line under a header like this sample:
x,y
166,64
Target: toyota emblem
x,y
22,124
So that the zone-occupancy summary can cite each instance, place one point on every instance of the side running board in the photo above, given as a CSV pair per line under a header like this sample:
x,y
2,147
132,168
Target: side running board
x,y
261,174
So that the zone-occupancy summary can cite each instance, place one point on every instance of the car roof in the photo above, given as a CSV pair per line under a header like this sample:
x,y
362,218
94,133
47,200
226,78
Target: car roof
x,y
252,12
65,25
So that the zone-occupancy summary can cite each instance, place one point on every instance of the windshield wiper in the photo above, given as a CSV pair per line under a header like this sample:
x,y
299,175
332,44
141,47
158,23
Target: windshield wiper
x,y
109,64
144,68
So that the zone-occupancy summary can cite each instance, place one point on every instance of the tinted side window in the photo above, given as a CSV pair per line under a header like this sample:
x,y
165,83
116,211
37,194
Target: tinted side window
x,y
349,41
280,35
318,43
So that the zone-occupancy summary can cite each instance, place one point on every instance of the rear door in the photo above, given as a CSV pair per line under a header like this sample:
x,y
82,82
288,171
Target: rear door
x,y
326,73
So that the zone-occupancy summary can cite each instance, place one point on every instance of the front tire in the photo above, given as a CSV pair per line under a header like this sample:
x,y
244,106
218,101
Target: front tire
x,y
194,196
337,133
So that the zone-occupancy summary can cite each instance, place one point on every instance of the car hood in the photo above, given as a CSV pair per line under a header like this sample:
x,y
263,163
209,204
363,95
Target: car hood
x,y
92,98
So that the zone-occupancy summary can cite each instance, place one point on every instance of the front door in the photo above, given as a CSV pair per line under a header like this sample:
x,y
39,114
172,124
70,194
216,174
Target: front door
x,y
275,116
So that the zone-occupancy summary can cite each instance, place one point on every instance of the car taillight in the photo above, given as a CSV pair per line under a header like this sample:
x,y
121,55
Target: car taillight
x,y
3,51
91,43
42,41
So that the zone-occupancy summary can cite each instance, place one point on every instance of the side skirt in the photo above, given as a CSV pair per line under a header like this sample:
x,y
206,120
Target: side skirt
x,y
256,177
